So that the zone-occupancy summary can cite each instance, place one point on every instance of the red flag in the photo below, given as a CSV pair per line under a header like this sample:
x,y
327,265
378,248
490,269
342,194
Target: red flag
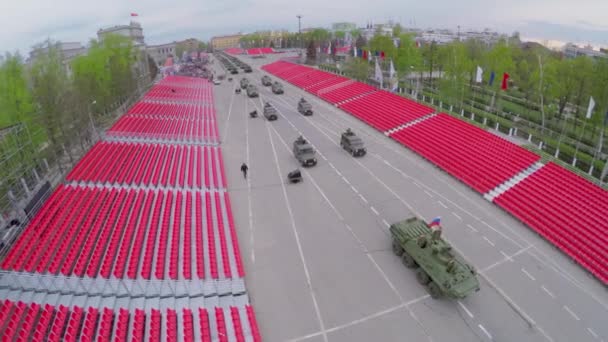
x,y
505,81
134,14
364,54
382,54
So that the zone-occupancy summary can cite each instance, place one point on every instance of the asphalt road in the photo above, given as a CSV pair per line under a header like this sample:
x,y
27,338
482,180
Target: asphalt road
x,y
317,254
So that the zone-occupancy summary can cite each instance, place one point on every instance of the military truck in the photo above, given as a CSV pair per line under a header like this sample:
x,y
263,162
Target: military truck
x,y
277,88
304,152
438,267
247,68
270,113
304,107
252,91
266,81
244,83
352,144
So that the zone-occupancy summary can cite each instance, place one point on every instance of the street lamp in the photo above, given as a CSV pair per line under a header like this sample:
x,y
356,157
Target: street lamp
x,y
91,118
299,29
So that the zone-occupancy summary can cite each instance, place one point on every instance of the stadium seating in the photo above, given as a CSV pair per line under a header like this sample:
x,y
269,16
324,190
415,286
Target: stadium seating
x,y
234,51
339,94
258,51
20,320
571,213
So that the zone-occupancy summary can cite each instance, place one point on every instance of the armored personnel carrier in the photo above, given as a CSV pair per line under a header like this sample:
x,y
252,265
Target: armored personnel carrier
x,y
304,107
277,88
270,113
304,152
266,81
244,83
252,91
352,144
438,267
247,68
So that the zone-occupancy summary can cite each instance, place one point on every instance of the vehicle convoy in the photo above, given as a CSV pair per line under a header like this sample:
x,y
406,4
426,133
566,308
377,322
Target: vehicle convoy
x,y
443,271
247,69
270,113
277,88
304,152
244,83
352,144
304,107
252,91
266,80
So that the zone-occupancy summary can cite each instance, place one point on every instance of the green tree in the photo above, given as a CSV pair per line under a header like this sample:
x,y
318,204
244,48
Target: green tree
x,y
456,67
583,79
15,98
408,57
383,43
311,52
430,54
397,29
357,68
499,60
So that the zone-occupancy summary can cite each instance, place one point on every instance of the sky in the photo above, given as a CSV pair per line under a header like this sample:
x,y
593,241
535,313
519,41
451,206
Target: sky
x,y
26,22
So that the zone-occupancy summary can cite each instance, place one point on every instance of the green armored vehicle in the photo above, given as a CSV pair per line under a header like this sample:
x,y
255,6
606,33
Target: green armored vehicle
x,y
352,144
266,81
252,91
270,113
304,152
304,107
244,83
443,271
277,88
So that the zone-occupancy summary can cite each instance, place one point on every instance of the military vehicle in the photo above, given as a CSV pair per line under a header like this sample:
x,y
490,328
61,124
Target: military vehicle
x,y
277,88
304,152
270,113
443,271
244,83
247,68
352,144
304,107
266,81
252,91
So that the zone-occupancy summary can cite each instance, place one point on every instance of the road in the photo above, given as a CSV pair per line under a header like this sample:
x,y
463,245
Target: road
x,y
317,254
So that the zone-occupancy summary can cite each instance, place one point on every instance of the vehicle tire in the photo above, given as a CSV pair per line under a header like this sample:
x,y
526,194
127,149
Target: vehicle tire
x,y
422,277
408,261
434,290
397,249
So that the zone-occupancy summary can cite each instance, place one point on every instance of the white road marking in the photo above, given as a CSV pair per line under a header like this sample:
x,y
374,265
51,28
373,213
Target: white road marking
x,y
339,174
297,238
428,194
345,180
458,217
332,165
472,228
506,255
363,198
488,241
415,183
354,189
249,206
547,291
441,204
225,135
375,211
571,313
465,309
485,331
504,260
592,333
527,274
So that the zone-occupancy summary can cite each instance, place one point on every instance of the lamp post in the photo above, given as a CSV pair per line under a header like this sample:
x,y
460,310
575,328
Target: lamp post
x,y
299,29
91,119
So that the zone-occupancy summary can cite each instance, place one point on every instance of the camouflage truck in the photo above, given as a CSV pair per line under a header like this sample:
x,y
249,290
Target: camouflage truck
x,y
304,107
277,88
270,113
252,91
438,267
352,144
266,81
244,83
304,152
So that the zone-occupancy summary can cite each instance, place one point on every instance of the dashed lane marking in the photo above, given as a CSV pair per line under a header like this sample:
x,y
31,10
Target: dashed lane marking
x,y
465,309
485,331
354,189
386,223
592,333
375,211
472,228
547,291
488,241
428,194
363,198
571,313
345,180
527,274
441,204
457,216
506,255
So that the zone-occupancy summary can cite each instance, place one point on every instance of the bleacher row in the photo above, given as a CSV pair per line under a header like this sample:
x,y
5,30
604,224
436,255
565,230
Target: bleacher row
x,y
259,51
573,217
21,321
134,213
142,164
179,92
165,128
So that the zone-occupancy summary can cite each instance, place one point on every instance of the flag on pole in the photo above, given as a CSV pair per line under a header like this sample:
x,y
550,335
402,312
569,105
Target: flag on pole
x,y
364,54
492,76
505,81
391,71
479,76
134,14
393,77
436,222
354,51
329,48
590,109
382,55
378,73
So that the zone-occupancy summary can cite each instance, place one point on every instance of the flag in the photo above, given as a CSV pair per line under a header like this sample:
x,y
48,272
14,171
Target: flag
x,y
382,55
134,14
354,51
329,48
505,81
393,77
417,44
492,76
364,54
479,76
378,73
591,106
436,222
391,72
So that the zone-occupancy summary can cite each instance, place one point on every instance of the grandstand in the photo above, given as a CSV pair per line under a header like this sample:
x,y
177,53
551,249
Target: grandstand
x,y
572,217
139,242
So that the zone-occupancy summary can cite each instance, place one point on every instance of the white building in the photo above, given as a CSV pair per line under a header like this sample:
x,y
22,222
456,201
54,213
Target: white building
x,y
133,31
573,51
68,50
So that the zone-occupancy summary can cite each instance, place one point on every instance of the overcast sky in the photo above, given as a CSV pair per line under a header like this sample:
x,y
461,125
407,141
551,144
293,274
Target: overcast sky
x,y
25,22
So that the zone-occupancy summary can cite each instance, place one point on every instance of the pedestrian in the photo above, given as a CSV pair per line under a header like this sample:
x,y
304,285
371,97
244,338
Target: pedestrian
x,y
244,169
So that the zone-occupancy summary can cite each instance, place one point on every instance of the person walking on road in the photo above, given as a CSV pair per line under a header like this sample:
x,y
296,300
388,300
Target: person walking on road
x,y
244,169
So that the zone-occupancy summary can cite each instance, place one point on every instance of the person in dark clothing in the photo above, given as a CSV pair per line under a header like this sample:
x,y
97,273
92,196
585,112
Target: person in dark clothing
x,y
244,169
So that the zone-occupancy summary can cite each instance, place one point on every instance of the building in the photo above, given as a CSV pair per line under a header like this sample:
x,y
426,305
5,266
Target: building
x,y
345,27
160,53
224,42
572,51
133,31
69,51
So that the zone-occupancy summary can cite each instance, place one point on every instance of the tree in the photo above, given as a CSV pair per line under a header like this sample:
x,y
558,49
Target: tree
x,y
383,43
457,66
340,35
583,78
564,73
360,42
397,29
357,68
311,52
408,56
430,55
15,99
